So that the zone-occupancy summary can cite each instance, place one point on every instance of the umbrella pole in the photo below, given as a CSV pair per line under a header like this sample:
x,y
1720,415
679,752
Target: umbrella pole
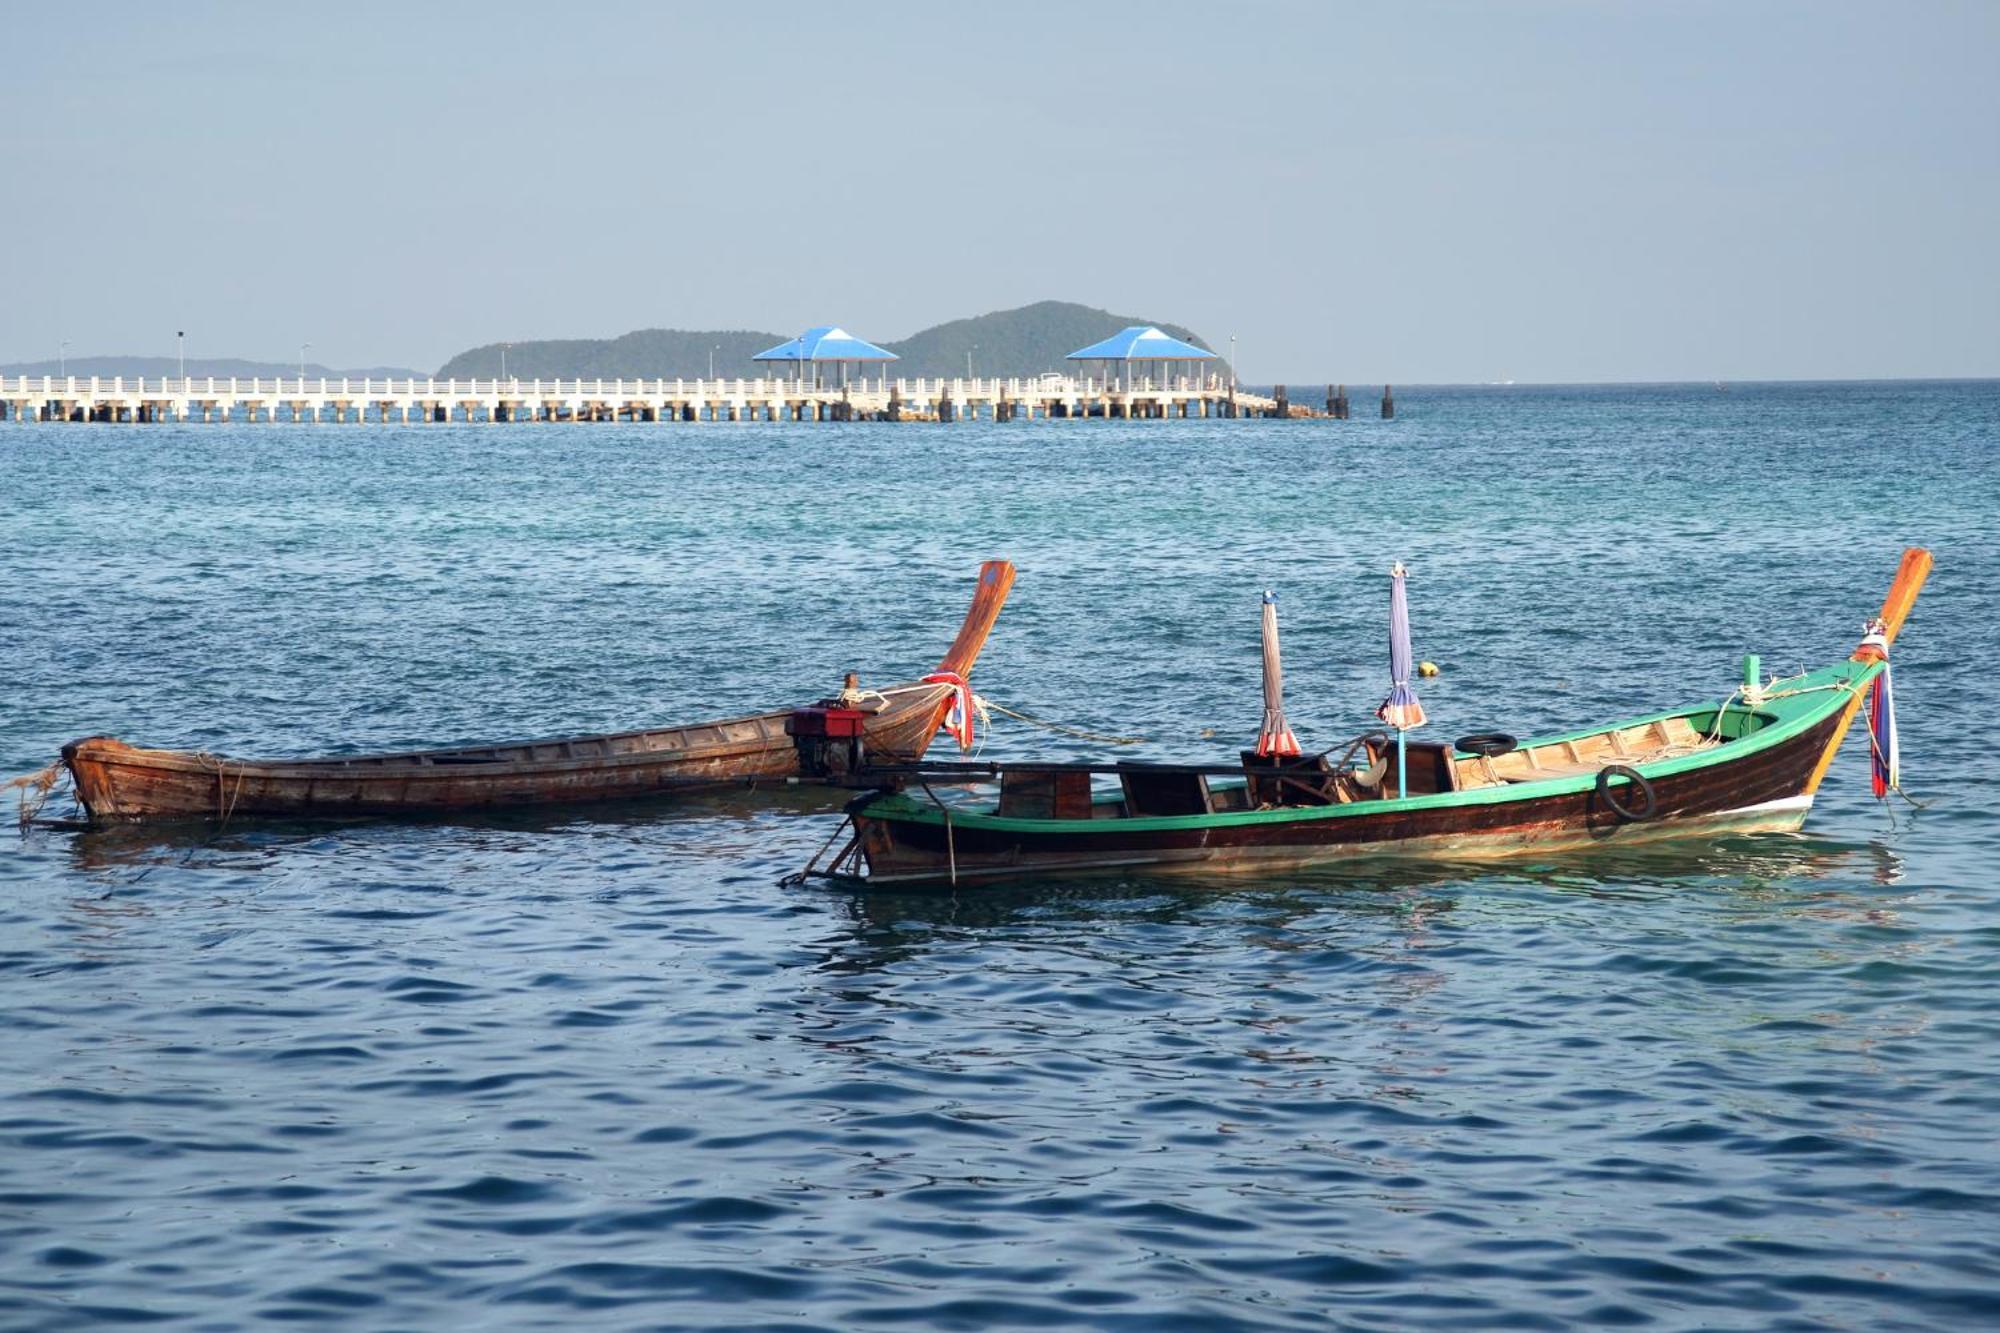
x,y
1402,767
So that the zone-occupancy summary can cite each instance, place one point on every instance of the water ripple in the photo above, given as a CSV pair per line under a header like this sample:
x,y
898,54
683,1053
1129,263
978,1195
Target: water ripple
x,y
597,1066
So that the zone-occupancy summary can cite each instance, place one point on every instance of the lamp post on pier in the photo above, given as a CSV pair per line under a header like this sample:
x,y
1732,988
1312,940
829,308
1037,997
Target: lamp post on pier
x,y
968,359
503,359
303,349
180,350
711,359
62,358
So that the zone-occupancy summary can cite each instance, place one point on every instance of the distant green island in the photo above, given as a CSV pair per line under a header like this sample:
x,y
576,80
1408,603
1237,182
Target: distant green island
x,y
1026,341
1021,342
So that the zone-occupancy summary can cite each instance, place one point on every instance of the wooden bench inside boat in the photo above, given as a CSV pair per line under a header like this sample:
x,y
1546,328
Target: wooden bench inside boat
x,y
1647,743
1035,795
1164,793
1041,794
1428,765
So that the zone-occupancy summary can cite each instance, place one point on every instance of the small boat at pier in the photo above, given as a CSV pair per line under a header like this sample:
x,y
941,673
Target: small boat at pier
x,y
118,782
1749,762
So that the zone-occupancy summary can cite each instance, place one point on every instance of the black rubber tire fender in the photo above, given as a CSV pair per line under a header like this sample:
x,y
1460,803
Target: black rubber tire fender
x,y
1648,804
1486,744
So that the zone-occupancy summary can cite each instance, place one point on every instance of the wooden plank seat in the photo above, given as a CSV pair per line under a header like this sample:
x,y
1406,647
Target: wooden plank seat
x,y
1168,793
1647,743
1043,795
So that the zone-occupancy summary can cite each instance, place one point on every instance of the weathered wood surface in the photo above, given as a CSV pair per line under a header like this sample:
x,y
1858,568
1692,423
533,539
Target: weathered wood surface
x,y
116,781
1761,790
1740,784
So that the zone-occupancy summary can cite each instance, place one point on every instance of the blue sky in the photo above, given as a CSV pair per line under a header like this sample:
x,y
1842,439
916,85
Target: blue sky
x,y
1415,191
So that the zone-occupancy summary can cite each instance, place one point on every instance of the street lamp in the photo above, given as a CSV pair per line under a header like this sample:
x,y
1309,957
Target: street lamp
x,y
968,359
62,358
711,359
1232,363
180,349
303,349
503,359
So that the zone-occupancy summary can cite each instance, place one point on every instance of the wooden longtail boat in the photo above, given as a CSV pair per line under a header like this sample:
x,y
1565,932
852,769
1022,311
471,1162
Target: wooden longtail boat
x,y
1750,762
116,781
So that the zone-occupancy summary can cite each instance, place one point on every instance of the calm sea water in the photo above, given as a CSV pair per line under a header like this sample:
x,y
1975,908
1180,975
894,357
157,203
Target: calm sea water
x,y
602,1068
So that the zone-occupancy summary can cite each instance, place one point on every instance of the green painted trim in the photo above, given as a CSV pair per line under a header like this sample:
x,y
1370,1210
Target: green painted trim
x,y
1784,718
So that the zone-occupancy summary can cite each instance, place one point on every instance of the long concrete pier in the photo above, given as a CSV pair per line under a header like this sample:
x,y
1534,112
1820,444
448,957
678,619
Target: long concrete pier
x,y
211,399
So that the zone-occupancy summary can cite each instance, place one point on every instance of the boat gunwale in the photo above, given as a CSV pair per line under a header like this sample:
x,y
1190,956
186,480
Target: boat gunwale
x,y
385,764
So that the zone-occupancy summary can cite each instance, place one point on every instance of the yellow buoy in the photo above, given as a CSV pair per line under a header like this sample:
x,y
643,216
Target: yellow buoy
x,y
1427,669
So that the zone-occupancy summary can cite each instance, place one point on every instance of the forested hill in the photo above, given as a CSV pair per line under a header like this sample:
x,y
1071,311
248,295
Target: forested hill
x,y
641,354
1026,341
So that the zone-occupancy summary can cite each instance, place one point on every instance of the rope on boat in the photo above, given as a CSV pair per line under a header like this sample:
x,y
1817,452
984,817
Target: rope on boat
x,y
1755,696
984,704
1875,748
950,841
42,784
225,799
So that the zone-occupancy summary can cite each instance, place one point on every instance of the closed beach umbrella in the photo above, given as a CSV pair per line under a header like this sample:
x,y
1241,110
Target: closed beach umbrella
x,y
1402,709
1275,737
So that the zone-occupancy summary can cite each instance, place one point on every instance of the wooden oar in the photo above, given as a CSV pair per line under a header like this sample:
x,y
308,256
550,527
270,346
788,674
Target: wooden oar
x,y
1910,576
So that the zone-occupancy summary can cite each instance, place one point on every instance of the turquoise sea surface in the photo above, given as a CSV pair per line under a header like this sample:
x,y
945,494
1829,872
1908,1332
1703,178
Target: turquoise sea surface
x,y
600,1068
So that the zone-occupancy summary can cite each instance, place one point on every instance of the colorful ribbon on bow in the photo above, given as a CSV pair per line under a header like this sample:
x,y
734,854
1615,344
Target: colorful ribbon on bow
x,y
1885,764
958,723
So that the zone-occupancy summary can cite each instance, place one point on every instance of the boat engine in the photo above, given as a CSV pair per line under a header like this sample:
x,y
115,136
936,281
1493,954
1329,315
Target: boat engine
x,y
830,739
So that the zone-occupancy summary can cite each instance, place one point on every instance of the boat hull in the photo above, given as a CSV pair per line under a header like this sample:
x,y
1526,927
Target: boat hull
x,y
1763,790
116,781
120,782
1750,762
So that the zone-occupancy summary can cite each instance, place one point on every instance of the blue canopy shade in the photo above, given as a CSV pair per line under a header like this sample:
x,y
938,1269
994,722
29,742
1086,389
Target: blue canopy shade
x,y
1142,342
825,343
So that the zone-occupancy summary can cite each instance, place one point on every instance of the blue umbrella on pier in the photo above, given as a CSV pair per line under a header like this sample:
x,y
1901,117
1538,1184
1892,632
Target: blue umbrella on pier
x,y
1141,342
1402,709
827,342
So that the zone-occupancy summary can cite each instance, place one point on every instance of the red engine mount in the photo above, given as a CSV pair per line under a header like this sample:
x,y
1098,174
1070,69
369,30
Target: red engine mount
x,y
832,723
830,739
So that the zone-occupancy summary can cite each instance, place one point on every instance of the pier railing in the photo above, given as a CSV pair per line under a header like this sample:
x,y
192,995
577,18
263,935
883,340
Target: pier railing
x,y
196,386
515,398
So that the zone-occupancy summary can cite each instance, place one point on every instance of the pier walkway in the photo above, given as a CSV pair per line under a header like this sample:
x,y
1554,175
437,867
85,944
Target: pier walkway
x,y
215,399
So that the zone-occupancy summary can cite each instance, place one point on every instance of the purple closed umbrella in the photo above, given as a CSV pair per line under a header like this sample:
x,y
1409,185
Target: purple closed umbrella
x,y
1402,709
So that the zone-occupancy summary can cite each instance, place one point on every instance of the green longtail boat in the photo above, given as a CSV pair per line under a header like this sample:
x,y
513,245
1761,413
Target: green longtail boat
x,y
1750,762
